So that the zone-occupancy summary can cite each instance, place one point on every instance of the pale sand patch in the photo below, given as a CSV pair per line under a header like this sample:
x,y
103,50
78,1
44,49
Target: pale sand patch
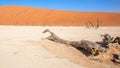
x,y
24,47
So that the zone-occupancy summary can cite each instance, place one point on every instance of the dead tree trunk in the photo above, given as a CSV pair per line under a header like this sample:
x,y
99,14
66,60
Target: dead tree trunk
x,y
55,38
107,39
89,46
116,58
116,40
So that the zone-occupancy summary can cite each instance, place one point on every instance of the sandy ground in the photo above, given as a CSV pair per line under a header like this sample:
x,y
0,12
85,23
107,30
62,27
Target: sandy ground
x,y
26,47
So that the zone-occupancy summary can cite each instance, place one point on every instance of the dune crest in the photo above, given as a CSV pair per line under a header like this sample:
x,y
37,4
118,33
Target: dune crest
x,y
19,15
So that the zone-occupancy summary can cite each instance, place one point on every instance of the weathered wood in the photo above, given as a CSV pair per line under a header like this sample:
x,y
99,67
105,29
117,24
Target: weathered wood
x,y
116,40
116,58
55,38
91,47
107,39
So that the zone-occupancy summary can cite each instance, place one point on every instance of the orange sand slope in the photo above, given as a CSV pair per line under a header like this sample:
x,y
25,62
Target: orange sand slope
x,y
19,15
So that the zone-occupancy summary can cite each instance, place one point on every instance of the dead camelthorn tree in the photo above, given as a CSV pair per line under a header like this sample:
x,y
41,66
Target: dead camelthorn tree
x,y
92,48
93,24
89,24
98,22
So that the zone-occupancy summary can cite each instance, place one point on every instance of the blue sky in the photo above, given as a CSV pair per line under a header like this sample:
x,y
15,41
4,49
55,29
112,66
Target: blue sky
x,y
74,5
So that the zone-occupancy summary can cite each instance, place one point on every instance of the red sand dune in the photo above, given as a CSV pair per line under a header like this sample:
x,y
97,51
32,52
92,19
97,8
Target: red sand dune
x,y
19,15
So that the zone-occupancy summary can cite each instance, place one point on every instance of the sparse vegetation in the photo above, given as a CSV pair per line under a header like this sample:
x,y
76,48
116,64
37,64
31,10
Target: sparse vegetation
x,y
93,24
89,46
91,49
